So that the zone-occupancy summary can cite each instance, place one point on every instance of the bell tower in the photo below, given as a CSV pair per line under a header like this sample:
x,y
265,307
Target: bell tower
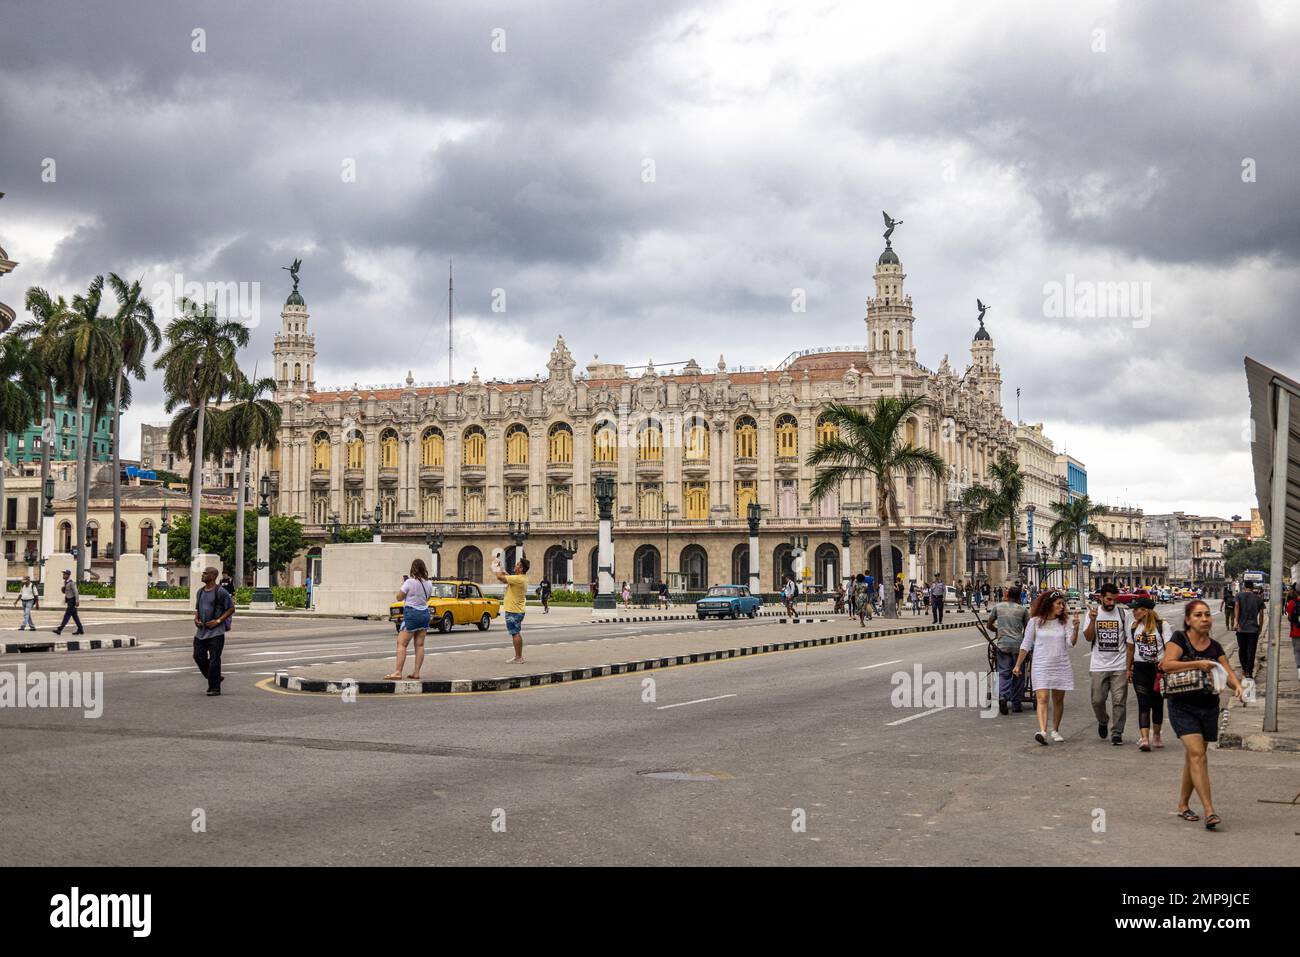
x,y
295,347
889,318
988,374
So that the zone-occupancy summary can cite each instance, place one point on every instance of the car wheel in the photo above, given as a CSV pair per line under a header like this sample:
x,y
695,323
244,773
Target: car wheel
x,y
700,615
447,624
753,613
485,622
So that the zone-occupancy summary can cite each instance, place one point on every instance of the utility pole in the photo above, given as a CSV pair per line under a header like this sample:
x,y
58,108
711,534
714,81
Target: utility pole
x,y
450,291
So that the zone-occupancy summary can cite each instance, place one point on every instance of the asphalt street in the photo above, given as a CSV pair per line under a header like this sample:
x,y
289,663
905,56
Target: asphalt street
x,y
796,757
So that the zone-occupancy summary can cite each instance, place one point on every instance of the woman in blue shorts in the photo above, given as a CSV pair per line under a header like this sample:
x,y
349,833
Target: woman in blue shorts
x,y
415,593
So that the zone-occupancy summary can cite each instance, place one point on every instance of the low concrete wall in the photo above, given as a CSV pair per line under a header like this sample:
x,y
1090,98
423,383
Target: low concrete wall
x,y
130,580
361,578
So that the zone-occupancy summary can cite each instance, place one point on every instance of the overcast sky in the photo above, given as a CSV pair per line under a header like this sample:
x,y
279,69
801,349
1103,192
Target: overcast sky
x,y
653,181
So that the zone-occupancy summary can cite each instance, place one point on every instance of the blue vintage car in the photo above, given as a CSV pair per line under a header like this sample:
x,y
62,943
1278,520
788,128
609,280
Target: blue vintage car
x,y
727,601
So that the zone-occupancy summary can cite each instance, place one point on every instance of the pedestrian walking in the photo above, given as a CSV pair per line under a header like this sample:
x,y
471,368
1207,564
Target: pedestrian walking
x,y
1250,616
627,595
1194,714
228,584
862,599
1112,655
936,600
513,604
30,600
1147,640
1293,618
916,599
898,595
976,597
664,601
213,607
544,593
1229,608
70,600
1009,618
414,595
788,591
1050,637
839,597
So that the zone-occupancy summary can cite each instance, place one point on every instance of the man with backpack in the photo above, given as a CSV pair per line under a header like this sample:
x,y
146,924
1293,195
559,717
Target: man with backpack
x,y
1108,633
213,607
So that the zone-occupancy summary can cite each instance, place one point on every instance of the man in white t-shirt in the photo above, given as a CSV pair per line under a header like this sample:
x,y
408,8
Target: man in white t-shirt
x,y
1108,633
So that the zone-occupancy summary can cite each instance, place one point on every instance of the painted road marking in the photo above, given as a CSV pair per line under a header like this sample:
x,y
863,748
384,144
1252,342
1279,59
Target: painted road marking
x,y
881,665
978,644
683,704
913,717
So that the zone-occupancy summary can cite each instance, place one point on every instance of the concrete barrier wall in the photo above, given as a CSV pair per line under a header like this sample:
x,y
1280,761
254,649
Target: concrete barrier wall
x,y
362,578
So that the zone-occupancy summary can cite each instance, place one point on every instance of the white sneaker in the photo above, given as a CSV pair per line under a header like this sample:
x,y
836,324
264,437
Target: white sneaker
x,y
1056,736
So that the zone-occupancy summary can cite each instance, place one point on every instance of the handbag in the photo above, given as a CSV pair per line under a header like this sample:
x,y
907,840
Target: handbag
x,y
1188,681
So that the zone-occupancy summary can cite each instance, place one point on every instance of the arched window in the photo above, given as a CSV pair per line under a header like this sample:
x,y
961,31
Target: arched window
x,y
354,511
475,447
516,445
645,564
910,431
746,438
746,492
559,446
898,341
319,506
284,374
559,504
320,452
787,437
826,567
695,439
431,507
650,442
649,502
474,509
297,372
388,449
826,431
517,503
697,500
469,564
356,451
388,509
695,568
146,536
782,564
431,448
65,537
740,565
604,443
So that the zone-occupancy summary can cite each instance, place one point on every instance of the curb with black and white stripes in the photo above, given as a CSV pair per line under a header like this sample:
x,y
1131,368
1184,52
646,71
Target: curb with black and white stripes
x,y
691,617
84,644
467,685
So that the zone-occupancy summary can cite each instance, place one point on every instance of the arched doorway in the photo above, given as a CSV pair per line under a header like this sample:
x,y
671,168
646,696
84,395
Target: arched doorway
x,y
314,564
65,537
146,536
645,564
740,565
556,566
695,568
827,566
873,561
782,564
469,564
512,554
92,539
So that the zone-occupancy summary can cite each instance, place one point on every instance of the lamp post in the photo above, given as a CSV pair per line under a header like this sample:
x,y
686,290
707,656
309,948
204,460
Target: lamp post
x,y
569,548
262,596
605,492
161,554
519,533
375,528
753,515
846,538
434,541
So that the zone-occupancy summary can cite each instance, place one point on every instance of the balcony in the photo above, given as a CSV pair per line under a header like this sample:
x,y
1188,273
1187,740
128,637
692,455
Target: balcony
x,y
559,471
696,468
473,474
745,466
431,475
354,478
320,478
388,476
649,468
515,472
787,465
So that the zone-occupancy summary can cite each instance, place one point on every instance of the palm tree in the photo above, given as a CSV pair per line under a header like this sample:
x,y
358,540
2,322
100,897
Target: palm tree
x,y
250,423
42,333
137,332
993,505
20,383
86,347
1075,524
870,443
198,368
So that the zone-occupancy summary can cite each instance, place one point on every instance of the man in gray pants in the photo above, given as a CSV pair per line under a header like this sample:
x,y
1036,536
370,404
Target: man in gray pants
x,y
1108,633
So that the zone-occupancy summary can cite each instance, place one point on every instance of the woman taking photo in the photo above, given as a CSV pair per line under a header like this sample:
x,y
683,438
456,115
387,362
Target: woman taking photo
x,y
414,593
1194,715
1050,638
1146,648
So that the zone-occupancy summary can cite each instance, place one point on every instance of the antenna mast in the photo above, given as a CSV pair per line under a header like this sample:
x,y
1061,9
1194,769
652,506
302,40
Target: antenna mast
x,y
450,380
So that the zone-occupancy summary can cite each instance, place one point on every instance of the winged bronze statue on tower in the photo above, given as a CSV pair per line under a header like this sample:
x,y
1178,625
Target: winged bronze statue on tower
x,y
982,308
293,272
890,223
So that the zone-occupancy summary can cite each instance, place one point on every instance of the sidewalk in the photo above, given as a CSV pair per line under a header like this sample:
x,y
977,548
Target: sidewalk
x,y
457,672
1243,728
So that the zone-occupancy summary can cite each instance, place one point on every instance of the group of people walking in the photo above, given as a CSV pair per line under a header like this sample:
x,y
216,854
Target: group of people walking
x,y
1127,647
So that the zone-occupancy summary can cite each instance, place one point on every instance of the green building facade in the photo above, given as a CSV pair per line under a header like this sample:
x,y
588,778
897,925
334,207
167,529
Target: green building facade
x,y
25,446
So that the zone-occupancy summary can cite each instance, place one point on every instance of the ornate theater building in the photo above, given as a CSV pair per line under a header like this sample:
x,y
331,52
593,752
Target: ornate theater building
x,y
688,451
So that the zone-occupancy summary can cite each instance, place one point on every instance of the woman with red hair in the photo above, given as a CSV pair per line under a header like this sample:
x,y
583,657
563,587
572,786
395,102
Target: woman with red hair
x,y
1050,638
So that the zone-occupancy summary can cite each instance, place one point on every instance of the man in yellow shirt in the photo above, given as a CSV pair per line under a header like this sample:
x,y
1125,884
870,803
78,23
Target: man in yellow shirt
x,y
513,604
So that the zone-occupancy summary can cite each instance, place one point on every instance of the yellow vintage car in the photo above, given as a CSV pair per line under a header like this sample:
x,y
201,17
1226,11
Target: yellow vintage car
x,y
454,603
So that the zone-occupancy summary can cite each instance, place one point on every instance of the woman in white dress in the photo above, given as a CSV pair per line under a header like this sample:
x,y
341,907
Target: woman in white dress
x,y
1050,639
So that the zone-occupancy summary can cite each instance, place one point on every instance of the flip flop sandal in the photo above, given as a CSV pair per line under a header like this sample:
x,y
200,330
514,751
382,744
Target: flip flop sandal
x,y
413,677
1189,815
395,676
1212,822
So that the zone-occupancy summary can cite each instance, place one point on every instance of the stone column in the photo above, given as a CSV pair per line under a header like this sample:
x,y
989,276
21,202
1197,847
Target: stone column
x,y
605,498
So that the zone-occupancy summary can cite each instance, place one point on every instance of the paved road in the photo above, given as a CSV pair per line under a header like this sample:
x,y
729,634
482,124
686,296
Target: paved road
x,y
748,747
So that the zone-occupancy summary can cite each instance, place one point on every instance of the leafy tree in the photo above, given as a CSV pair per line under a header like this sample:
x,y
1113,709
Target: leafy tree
x,y
250,423
20,384
870,443
217,536
42,334
1240,556
996,505
356,533
1076,520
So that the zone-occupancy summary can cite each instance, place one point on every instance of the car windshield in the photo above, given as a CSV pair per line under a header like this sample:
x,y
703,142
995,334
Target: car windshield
x,y
444,590
723,591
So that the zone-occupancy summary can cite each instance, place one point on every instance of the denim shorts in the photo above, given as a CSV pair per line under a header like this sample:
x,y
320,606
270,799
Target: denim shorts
x,y
415,619
514,622
1193,718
